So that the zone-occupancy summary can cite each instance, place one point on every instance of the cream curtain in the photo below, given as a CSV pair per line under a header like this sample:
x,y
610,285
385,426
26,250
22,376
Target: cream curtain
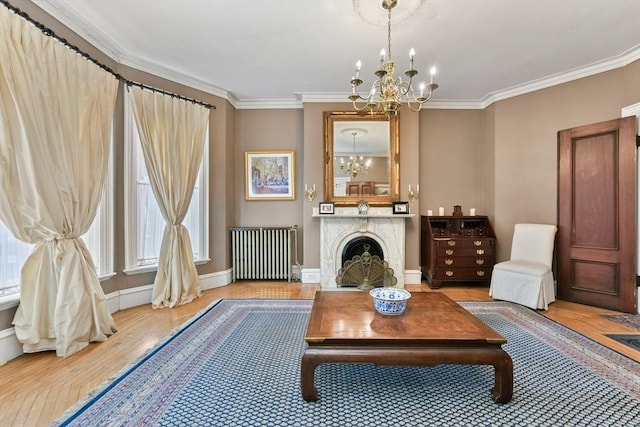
x,y
172,133
56,109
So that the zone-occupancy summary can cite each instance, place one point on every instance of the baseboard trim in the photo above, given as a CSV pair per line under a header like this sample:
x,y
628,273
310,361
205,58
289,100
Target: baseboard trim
x,y
10,347
412,277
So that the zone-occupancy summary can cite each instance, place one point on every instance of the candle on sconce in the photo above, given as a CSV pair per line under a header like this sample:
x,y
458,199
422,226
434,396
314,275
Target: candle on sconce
x,y
441,211
418,188
409,188
429,212
472,211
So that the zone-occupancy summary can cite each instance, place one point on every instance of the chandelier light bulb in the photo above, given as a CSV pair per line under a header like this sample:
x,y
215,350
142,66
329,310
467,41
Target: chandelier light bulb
x,y
389,91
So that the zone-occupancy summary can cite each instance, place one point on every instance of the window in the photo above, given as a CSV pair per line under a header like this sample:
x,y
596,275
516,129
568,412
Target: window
x,y
144,226
99,241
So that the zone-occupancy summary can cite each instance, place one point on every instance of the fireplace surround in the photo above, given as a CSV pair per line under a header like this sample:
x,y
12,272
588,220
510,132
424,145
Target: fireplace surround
x,y
379,224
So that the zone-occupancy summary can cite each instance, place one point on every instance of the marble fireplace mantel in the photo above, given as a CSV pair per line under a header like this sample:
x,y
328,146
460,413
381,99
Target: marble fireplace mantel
x,y
338,229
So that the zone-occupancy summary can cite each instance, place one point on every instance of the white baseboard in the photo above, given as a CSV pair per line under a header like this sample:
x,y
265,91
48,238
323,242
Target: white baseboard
x,y
10,347
412,277
310,275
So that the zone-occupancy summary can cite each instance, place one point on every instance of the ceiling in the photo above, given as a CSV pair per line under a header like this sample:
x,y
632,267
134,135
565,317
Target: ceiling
x,y
280,53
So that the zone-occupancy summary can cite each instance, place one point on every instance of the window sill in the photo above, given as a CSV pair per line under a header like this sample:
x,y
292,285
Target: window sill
x,y
154,267
9,301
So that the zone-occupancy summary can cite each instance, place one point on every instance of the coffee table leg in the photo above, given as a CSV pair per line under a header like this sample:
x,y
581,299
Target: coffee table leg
x,y
307,378
502,391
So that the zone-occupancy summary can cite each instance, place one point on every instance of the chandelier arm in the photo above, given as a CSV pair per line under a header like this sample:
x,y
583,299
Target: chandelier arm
x,y
388,92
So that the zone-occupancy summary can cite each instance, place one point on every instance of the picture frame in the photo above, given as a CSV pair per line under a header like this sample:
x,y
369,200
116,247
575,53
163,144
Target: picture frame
x,y
401,207
270,175
326,208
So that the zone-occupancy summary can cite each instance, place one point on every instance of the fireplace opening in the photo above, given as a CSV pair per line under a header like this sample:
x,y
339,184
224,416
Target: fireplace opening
x,y
357,247
361,268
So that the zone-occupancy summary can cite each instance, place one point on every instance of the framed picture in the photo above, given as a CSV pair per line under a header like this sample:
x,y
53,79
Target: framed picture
x,y
400,207
326,208
269,175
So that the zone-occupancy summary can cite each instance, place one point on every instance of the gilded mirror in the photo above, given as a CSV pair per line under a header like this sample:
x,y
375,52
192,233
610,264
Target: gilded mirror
x,y
361,158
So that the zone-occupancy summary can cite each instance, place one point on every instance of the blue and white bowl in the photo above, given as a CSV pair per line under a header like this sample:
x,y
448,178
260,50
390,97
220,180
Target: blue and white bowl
x,y
390,301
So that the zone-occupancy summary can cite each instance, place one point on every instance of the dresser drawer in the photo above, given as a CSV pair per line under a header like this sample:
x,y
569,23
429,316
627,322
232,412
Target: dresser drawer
x,y
477,261
444,273
478,243
465,252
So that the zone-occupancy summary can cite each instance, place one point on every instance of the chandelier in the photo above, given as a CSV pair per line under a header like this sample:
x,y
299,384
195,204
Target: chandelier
x,y
356,165
388,92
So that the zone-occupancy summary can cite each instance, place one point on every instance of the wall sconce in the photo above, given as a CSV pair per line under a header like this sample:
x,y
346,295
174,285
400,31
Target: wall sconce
x,y
310,192
413,195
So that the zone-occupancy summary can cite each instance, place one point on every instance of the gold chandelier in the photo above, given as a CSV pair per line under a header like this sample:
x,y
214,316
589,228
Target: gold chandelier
x,y
355,165
388,92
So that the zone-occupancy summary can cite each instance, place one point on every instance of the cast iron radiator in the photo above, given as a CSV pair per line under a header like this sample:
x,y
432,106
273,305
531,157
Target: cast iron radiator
x,y
259,253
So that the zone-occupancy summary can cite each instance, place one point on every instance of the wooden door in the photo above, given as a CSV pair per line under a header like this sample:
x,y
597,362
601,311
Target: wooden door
x,y
597,215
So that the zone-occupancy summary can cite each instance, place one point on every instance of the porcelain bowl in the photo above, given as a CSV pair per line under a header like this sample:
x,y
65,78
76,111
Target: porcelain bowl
x,y
390,301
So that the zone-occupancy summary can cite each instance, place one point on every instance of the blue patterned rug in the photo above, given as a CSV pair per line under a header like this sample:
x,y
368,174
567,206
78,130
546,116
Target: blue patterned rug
x,y
238,364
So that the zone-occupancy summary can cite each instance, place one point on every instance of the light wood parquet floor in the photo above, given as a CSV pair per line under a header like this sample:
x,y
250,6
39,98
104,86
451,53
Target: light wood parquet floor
x,y
35,389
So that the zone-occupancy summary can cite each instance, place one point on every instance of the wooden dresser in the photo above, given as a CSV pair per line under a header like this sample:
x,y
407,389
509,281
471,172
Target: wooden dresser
x,y
456,249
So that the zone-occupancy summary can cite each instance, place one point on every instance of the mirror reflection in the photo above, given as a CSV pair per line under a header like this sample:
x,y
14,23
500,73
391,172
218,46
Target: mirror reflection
x,y
360,150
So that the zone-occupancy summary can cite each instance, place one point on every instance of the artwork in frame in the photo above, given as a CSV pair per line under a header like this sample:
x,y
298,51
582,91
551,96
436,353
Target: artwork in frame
x,y
269,175
326,208
400,207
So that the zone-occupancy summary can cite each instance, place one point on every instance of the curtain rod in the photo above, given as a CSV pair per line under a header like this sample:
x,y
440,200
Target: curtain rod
x,y
50,33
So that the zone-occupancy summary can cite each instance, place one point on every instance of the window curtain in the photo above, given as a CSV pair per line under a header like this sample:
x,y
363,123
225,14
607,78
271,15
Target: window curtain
x,y
172,133
56,110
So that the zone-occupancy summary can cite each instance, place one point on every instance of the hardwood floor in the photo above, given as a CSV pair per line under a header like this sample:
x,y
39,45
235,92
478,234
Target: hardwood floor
x,y
35,389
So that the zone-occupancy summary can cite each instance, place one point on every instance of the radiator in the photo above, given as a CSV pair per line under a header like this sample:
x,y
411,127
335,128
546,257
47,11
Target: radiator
x,y
259,253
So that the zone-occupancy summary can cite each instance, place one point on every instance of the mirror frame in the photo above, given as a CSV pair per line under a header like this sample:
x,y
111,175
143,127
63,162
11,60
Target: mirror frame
x,y
330,117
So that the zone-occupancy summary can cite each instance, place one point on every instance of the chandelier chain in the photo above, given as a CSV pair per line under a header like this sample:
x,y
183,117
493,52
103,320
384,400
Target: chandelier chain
x,y
389,32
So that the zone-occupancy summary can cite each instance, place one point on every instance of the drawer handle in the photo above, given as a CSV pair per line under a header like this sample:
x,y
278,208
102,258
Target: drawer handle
x,y
449,251
451,243
479,261
480,251
477,242
448,261
449,273
480,273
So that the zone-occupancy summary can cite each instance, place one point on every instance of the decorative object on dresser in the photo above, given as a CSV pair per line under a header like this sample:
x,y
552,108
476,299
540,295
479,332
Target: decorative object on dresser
x,y
456,248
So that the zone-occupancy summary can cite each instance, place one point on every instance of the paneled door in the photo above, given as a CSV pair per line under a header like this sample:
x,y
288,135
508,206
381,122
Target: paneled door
x,y
597,215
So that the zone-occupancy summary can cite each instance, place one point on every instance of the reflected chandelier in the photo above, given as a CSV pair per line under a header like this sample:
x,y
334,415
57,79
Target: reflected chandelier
x,y
355,165
388,92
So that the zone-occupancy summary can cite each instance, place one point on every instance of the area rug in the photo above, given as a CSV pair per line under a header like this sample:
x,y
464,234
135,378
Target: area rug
x,y
238,364
630,320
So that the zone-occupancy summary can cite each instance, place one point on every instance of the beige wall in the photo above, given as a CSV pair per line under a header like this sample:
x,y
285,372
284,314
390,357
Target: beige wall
x,y
525,143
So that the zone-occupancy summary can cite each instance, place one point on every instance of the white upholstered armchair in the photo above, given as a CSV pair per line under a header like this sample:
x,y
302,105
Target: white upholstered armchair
x,y
527,278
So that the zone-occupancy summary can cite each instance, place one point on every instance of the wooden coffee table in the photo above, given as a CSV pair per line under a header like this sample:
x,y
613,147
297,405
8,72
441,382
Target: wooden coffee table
x,y
345,328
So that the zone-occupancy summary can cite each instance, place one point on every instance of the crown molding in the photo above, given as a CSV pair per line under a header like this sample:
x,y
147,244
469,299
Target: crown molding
x,y
268,104
57,9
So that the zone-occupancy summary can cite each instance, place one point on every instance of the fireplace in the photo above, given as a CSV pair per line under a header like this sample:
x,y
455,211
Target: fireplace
x,y
380,228
358,245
